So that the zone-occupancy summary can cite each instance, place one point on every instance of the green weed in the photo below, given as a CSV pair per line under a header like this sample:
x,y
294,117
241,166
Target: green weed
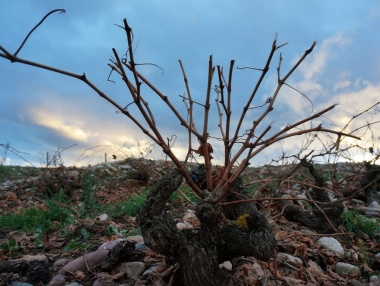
x,y
130,206
61,214
358,224
11,247
58,212
185,193
79,241
17,172
88,195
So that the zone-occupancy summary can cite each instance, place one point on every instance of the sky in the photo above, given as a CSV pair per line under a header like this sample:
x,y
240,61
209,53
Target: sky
x,y
46,113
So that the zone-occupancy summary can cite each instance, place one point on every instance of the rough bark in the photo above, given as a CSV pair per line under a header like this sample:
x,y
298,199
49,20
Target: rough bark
x,y
370,183
256,239
316,219
200,252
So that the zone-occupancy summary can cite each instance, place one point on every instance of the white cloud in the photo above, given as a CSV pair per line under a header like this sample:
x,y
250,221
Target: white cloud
x,y
62,125
321,55
309,80
353,108
342,84
355,102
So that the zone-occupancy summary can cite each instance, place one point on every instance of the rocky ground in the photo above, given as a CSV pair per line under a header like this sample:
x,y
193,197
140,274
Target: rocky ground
x,y
303,257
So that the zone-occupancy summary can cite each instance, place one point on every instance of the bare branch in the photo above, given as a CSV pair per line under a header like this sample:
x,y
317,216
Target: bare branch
x,y
36,26
246,107
312,105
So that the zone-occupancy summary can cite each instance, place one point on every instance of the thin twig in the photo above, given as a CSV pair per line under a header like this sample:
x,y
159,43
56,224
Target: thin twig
x,y
36,26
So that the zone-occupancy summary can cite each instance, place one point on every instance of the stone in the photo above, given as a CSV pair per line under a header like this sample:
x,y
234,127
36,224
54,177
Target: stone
x,y
109,244
302,196
141,246
226,265
60,262
73,175
345,268
329,183
355,282
100,282
135,238
125,167
332,244
307,231
114,169
297,187
157,267
184,225
374,205
102,217
131,269
374,279
57,280
18,283
284,257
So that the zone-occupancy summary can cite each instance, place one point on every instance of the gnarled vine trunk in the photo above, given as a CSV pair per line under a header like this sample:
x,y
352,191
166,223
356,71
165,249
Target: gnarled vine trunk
x,y
325,214
200,252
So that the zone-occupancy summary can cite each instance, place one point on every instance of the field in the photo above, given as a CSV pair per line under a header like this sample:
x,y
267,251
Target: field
x,y
64,213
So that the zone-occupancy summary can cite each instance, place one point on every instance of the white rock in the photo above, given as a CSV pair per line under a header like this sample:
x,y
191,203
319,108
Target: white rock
x,y
102,217
302,196
125,167
109,166
374,205
184,225
331,196
345,268
297,187
226,265
109,244
332,244
329,183
284,257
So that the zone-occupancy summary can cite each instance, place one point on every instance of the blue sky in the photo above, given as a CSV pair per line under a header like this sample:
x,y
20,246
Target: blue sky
x,y
40,111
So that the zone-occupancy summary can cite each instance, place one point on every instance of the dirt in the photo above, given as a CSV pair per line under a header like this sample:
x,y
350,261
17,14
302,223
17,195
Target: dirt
x,y
22,189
